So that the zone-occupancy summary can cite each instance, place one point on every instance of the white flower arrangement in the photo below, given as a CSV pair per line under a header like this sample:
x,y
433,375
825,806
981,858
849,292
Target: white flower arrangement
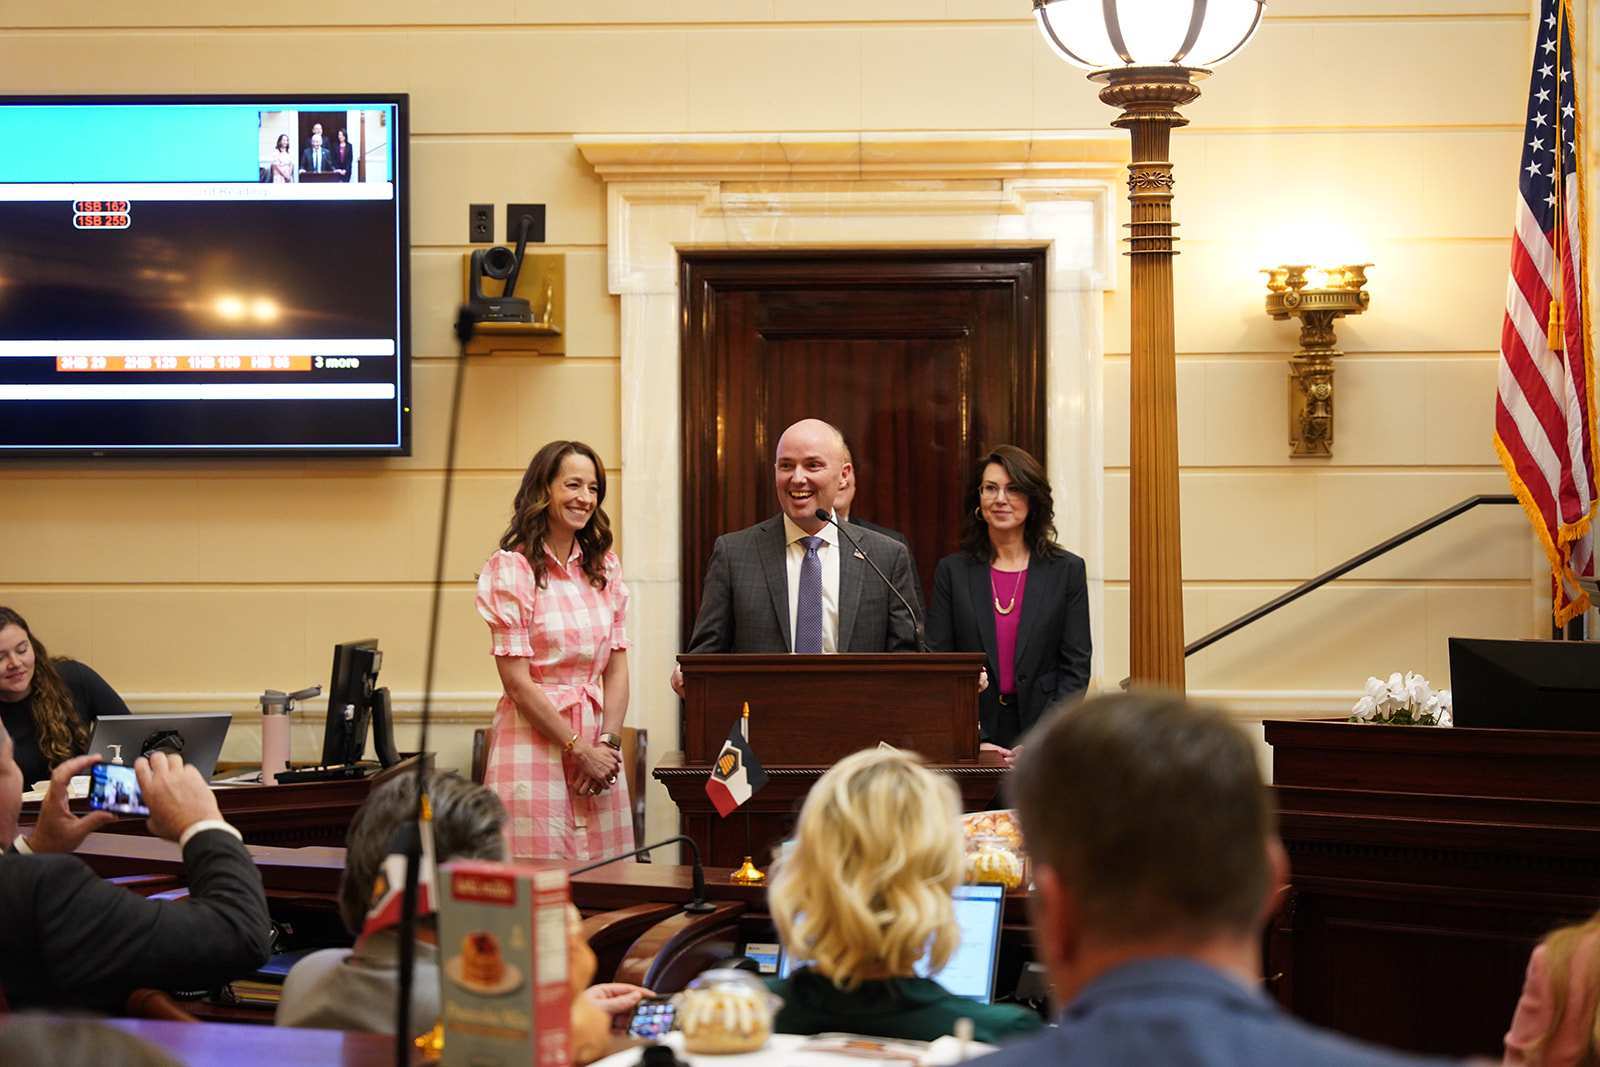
x,y
1407,701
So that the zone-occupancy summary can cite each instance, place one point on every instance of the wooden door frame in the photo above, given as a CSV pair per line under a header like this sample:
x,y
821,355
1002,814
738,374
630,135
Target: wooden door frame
x,y
714,473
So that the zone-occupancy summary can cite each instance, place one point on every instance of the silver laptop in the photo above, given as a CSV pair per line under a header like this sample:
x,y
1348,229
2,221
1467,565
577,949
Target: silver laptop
x,y
197,737
970,971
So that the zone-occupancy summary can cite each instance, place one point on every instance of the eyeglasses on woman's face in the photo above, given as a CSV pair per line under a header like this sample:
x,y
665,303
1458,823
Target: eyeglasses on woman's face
x,y
991,491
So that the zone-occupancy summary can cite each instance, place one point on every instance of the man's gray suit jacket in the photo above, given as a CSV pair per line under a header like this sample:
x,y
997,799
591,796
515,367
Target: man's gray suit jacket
x,y
745,604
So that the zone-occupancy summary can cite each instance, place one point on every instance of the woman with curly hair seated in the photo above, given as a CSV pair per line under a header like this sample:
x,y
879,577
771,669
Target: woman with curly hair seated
x,y
866,893
48,704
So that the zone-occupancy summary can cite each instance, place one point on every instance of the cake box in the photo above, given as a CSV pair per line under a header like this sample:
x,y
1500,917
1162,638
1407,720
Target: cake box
x,y
504,993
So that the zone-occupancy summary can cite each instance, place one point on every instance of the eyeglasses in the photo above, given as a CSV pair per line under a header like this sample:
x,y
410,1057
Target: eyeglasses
x,y
990,491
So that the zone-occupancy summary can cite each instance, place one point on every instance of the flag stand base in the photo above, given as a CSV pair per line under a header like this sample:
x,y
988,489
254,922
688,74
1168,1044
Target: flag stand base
x,y
748,874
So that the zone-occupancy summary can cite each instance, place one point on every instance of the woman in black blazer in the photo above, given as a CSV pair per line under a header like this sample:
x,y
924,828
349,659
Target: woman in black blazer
x,y
1015,595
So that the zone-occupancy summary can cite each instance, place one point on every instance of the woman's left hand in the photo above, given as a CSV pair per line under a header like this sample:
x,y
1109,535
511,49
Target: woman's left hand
x,y
600,762
592,769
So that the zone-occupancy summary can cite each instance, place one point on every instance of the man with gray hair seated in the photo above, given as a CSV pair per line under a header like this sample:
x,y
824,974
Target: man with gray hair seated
x,y
356,989
1155,861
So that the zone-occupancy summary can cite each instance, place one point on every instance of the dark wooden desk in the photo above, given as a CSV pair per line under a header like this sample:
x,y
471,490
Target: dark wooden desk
x,y
1425,863
773,810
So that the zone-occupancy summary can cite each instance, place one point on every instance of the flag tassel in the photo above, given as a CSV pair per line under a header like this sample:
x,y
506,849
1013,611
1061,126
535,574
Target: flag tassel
x,y
1556,331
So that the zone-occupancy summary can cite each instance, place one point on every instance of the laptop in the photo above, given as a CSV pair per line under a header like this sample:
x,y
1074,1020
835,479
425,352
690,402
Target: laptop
x,y
970,971
196,737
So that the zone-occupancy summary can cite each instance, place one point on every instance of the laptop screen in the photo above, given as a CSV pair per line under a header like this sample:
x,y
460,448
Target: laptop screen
x,y
198,737
970,970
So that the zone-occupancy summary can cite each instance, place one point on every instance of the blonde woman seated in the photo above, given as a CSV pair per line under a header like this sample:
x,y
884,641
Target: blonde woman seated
x,y
1557,1022
864,894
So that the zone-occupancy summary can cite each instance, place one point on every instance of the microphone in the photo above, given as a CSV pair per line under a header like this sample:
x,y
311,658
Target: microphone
x,y
922,638
696,906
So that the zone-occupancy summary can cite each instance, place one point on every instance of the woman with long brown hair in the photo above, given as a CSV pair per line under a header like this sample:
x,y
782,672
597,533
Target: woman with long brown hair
x,y
47,703
1014,594
556,607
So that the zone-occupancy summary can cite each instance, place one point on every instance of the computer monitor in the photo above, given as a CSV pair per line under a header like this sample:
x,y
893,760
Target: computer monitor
x,y
196,737
1528,685
970,971
351,696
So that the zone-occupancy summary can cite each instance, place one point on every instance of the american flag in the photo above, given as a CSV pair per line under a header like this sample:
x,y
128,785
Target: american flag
x,y
1545,415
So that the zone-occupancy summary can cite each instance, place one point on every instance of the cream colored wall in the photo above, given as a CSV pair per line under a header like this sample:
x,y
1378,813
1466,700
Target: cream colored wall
x,y
198,584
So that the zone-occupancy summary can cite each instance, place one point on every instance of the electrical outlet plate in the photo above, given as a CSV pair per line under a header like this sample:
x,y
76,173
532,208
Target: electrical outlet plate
x,y
514,213
480,224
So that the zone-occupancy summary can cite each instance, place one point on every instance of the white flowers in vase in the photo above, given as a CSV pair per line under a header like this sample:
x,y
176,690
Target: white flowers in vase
x,y
1403,701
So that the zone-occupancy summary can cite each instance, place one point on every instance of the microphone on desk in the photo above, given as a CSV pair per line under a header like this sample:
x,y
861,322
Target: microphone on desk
x,y
696,906
922,638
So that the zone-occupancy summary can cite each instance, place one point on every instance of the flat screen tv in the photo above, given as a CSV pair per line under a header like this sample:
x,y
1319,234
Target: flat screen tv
x,y
204,275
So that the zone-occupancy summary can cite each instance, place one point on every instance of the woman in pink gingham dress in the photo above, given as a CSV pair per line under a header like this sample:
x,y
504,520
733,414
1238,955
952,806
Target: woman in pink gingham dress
x,y
556,607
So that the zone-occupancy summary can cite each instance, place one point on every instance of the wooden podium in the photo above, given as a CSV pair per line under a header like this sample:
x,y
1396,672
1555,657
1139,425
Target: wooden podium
x,y
806,713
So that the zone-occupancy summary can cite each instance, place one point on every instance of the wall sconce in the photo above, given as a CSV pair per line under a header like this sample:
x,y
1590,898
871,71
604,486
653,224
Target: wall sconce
x,y
1316,296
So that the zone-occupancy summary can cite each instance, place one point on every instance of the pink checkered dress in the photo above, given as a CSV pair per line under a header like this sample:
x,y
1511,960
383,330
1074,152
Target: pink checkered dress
x,y
567,631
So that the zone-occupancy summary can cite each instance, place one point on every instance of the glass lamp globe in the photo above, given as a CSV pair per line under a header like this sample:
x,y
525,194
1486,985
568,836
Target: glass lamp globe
x,y
1099,34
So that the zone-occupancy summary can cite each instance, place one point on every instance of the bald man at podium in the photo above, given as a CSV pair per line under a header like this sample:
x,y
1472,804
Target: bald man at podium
x,y
792,583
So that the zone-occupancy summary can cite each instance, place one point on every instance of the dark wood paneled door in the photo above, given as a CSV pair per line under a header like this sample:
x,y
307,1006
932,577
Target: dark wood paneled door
x,y
924,359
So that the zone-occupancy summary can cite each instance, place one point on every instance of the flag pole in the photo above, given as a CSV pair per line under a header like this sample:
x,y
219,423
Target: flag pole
x,y
1555,330
748,873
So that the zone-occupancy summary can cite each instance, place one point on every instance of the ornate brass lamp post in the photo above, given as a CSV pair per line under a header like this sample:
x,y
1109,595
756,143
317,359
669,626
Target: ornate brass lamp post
x,y
1311,369
1149,54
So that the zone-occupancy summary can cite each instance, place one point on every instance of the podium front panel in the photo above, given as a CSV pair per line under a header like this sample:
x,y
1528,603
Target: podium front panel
x,y
815,710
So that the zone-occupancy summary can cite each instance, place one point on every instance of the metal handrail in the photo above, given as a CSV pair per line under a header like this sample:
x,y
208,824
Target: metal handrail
x,y
1346,567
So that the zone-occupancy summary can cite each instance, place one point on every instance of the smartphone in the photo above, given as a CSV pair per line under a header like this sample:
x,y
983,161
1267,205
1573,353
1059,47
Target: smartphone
x,y
652,1018
113,787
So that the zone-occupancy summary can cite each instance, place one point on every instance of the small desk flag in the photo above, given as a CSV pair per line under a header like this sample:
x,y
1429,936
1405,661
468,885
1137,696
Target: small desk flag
x,y
737,775
388,888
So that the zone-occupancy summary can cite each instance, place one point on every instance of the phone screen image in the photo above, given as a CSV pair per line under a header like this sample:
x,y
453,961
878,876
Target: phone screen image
x,y
652,1018
115,788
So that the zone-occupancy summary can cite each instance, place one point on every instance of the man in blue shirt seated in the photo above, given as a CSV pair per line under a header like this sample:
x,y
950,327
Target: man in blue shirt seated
x,y
1155,861
72,939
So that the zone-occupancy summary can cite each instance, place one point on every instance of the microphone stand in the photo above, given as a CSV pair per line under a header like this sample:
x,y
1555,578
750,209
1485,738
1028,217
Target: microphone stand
x,y
466,323
699,905
922,637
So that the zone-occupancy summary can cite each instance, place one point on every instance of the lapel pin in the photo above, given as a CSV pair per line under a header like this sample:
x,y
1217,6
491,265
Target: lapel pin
x,y
859,555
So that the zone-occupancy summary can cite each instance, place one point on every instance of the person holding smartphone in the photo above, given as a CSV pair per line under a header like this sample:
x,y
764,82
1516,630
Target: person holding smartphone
x,y
74,940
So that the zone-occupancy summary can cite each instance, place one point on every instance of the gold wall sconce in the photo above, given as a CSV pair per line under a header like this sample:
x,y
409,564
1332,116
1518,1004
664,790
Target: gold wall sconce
x,y
1316,296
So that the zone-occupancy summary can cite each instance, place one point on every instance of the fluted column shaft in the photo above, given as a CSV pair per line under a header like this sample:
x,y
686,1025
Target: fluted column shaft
x,y
1149,98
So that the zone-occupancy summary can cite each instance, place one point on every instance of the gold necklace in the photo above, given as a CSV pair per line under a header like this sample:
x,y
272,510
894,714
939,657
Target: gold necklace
x,y
1007,609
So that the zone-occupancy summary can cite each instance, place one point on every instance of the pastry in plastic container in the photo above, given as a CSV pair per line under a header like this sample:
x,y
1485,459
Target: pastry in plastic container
x,y
993,859
1002,824
725,1011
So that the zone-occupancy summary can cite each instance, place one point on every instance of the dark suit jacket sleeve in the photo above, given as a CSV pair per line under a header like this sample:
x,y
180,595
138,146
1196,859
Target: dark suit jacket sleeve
x,y
713,626
941,620
1072,667
72,939
902,636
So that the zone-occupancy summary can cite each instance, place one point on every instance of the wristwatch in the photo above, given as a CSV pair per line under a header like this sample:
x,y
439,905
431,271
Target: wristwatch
x,y
614,740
